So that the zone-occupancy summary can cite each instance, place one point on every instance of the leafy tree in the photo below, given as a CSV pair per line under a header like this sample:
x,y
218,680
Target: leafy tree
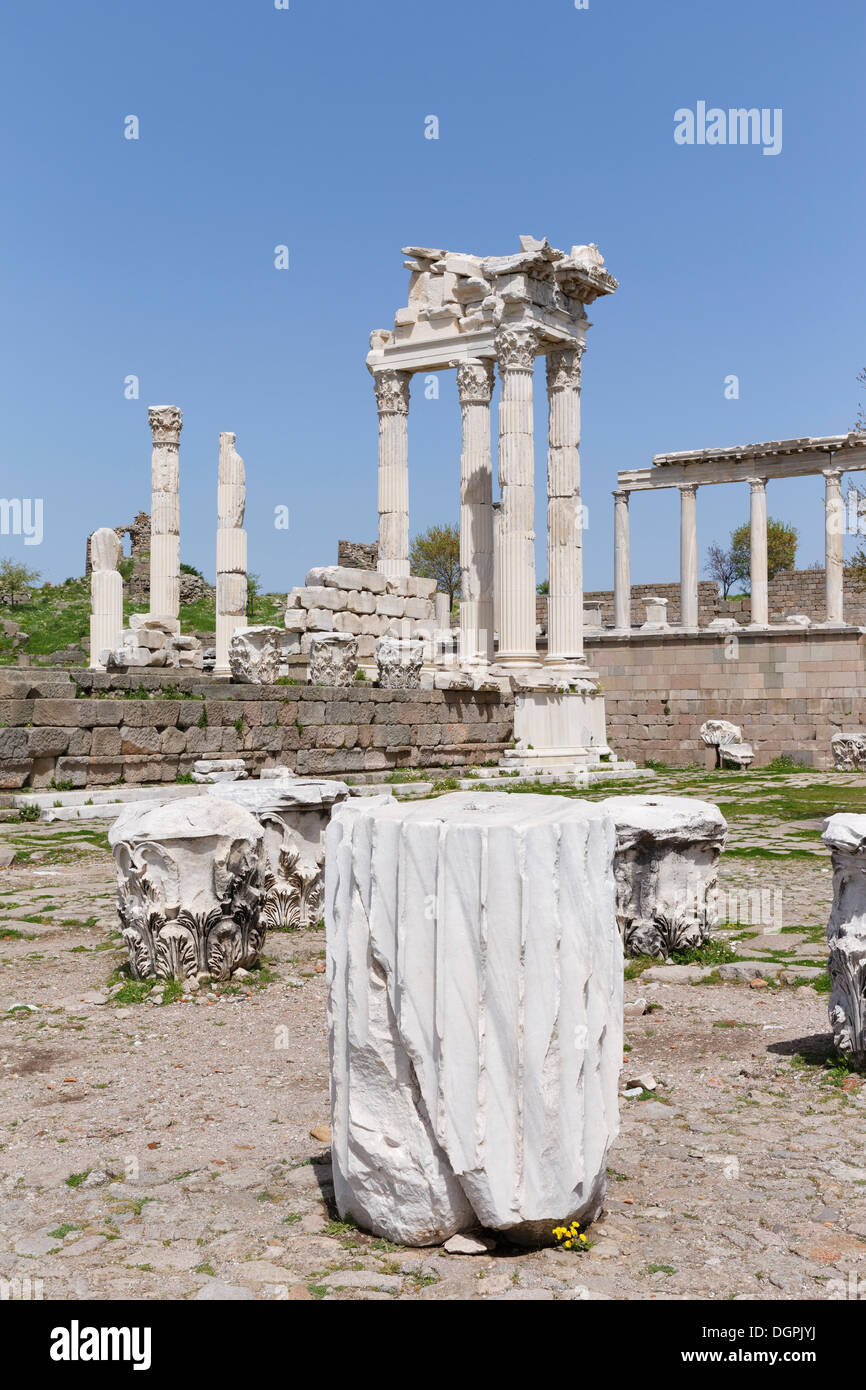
x,y
435,554
254,589
722,567
543,587
14,577
855,570
781,548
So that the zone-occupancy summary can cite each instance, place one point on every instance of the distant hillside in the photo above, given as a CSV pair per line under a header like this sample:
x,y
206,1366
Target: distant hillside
x,y
55,620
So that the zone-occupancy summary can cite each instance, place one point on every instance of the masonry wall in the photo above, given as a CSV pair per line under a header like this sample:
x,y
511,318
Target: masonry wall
x,y
790,591
790,692
95,729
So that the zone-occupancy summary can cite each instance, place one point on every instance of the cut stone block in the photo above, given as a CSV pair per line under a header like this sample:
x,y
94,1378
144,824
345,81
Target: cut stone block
x,y
475,1013
667,857
190,887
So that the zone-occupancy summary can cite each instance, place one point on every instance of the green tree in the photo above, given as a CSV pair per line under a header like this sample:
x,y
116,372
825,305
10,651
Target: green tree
x,y
14,577
254,589
543,587
781,548
435,554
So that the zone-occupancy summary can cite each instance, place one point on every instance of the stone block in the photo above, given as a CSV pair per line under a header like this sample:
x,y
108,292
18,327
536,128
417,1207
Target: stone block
x,y
106,743
74,770
47,742
139,740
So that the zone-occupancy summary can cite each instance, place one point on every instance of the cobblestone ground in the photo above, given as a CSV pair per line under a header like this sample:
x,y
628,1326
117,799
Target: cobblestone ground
x,y
167,1150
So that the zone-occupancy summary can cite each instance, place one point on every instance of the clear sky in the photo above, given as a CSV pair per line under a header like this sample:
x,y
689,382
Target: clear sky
x,y
305,126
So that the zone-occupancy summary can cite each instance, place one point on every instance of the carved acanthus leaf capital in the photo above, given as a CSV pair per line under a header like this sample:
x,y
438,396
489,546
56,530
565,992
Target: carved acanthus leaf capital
x,y
563,369
392,391
516,349
475,381
166,422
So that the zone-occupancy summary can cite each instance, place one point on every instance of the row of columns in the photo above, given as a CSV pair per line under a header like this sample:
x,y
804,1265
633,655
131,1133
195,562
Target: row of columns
x,y
516,349
833,561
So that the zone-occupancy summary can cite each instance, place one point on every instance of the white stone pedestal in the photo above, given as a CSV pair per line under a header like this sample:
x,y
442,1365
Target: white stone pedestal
x,y
475,1013
558,729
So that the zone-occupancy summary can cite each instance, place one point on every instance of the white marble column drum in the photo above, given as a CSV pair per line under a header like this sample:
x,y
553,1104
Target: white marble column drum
x,y
758,562
688,556
516,349
106,594
231,551
621,562
564,512
166,422
392,401
475,387
833,526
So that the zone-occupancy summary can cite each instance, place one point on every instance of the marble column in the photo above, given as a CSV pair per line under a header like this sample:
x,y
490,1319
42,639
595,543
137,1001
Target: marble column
x,y
106,594
516,350
564,512
688,556
758,540
392,401
231,551
475,386
621,562
833,528
166,422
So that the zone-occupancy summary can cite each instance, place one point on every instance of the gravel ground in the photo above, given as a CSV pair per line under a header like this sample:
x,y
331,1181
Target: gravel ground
x,y
181,1150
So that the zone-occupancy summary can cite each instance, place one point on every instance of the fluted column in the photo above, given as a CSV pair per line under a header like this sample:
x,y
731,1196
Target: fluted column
x,y
392,401
475,386
621,562
516,349
231,550
564,517
166,422
833,527
106,594
758,554
688,556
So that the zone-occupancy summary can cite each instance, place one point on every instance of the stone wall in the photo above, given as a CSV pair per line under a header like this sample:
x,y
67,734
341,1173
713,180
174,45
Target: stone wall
x,y
789,691
138,531
790,591
98,728
358,555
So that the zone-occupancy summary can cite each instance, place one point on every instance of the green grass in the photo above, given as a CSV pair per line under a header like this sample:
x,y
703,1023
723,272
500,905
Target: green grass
x,y
711,953
58,616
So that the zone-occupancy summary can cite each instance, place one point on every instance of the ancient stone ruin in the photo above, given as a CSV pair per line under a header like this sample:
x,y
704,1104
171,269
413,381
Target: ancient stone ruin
x,y
845,837
467,1089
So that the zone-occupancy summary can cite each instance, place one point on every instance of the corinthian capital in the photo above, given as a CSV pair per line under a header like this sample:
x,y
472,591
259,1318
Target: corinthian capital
x,y
516,349
166,421
392,391
563,369
475,381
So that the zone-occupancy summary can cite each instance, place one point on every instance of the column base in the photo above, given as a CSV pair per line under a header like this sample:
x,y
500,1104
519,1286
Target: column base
x,y
558,730
517,660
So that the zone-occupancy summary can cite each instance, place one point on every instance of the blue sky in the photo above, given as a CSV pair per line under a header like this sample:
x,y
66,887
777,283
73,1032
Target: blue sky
x,y
305,127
